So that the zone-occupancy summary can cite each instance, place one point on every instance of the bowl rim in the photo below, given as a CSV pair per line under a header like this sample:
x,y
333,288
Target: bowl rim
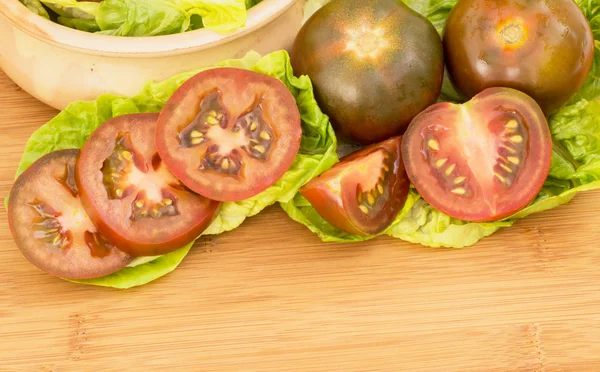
x,y
49,32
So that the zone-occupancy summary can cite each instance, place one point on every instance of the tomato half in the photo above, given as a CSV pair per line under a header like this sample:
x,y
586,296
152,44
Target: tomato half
x,y
364,192
131,196
229,133
540,47
374,64
50,225
480,161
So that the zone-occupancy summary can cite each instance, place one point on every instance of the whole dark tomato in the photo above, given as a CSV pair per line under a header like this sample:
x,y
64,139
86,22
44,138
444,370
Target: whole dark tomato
x,y
364,192
229,133
374,64
540,47
131,196
50,225
480,161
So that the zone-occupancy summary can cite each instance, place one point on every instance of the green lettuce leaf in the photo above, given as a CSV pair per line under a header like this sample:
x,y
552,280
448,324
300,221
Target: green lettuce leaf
x,y
216,15
73,8
88,25
71,127
133,276
575,163
141,18
36,7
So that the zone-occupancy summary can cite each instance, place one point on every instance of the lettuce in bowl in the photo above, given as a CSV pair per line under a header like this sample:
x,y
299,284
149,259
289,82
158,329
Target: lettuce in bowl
x,y
71,127
144,17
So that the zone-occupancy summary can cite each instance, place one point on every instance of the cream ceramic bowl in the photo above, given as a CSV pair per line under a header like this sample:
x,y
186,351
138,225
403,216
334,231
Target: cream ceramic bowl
x,y
59,65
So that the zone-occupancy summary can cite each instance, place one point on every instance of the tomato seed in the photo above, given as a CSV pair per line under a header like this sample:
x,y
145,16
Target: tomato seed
x,y
439,163
514,160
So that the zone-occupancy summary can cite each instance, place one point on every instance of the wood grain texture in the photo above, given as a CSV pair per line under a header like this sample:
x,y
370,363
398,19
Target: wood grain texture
x,y
270,296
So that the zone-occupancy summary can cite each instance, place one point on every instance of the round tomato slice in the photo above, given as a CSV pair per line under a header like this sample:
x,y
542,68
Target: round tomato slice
x,y
480,161
228,133
364,192
131,196
50,225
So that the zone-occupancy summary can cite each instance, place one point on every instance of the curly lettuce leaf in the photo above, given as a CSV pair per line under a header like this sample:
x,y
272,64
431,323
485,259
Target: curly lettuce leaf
x,y
134,276
141,18
71,127
575,163
73,8
36,7
88,25
216,15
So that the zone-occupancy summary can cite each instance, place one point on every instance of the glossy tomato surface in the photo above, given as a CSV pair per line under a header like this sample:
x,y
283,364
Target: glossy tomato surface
x,y
131,196
50,225
540,47
228,133
374,64
364,192
480,161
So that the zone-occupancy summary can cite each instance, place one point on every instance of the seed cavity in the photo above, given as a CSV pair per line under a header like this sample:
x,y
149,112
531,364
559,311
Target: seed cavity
x,y
144,208
46,227
433,144
98,245
118,165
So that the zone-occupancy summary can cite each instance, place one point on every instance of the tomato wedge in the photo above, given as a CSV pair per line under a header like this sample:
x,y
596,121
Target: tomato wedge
x,y
364,192
131,196
480,161
229,133
50,226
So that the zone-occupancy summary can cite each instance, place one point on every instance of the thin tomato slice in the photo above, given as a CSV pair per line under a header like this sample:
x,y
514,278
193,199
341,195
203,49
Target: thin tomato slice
x,y
364,192
50,225
131,195
480,161
228,133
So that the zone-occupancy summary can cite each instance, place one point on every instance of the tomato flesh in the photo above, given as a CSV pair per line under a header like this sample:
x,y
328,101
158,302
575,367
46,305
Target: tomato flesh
x,y
50,225
543,48
480,161
131,196
363,193
228,133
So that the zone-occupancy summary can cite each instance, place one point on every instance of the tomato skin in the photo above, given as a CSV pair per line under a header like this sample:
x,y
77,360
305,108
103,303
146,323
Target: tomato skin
x,y
37,186
480,161
486,44
114,217
370,97
376,172
238,92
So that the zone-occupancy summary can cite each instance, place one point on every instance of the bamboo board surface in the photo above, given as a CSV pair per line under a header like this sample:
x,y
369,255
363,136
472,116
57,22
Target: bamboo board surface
x,y
270,296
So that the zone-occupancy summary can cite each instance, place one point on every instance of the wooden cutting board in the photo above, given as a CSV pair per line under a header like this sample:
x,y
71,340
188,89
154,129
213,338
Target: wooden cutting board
x,y
270,296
